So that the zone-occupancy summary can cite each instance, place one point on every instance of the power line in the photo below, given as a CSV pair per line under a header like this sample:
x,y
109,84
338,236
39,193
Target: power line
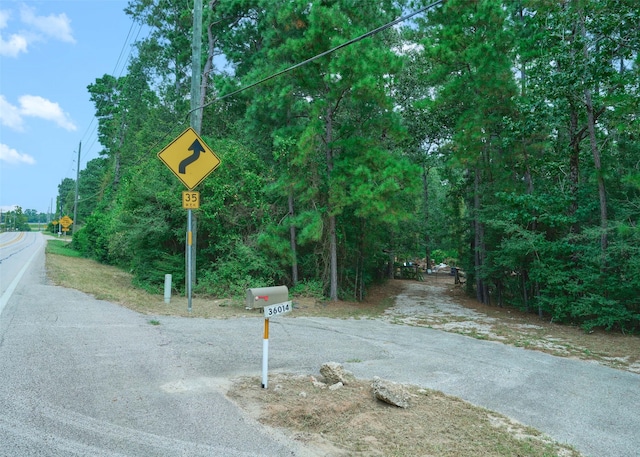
x,y
325,53
305,62
92,128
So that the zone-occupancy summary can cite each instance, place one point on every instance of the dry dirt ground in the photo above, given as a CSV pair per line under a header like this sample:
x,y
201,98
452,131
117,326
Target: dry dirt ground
x,y
439,304
349,421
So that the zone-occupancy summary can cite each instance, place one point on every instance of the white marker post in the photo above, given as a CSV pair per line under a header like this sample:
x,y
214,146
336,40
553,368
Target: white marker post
x,y
167,288
274,302
270,311
265,355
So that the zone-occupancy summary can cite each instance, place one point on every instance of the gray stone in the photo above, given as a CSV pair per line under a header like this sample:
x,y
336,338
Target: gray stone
x,y
390,392
318,384
333,373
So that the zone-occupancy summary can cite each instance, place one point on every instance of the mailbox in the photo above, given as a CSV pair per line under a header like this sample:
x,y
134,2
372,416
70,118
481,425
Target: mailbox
x,y
259,297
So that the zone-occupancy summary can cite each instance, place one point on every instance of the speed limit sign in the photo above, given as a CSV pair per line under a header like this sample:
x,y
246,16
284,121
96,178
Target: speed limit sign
x,y
190,199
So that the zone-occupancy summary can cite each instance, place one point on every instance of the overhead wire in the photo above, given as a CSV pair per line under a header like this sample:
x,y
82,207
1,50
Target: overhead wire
x,y
322,54
300,64
128,42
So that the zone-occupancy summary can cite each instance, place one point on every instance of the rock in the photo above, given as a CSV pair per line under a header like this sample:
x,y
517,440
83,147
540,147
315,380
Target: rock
x,y
336,386
318,384
390,392
333,373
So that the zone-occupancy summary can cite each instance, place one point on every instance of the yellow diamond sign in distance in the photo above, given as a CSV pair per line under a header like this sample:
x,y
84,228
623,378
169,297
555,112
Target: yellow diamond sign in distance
x,y
189,158
66,222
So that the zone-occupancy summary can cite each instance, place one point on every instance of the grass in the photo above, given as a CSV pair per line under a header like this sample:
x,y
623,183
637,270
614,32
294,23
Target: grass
x,y
61,248
65,267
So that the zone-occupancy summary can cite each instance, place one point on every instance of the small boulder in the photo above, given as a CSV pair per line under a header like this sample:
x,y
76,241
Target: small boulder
x,y
390,392
334,373
318,384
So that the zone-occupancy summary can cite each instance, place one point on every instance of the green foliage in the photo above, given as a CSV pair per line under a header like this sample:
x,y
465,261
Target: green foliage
x,y
14,220
241,268
93,239
421,142
60,247
308,288
444,256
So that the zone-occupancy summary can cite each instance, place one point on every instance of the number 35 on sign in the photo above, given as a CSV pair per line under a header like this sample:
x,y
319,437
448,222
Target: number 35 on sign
x,y
190,199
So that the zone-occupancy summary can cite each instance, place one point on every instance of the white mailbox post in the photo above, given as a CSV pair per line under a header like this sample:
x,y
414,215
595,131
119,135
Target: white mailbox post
x,y
275,302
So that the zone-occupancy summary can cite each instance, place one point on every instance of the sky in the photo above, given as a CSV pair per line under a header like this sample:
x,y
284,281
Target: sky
x,y
50,51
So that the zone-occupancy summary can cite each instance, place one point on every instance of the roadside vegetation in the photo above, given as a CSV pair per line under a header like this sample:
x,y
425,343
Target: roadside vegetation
x,y
504,134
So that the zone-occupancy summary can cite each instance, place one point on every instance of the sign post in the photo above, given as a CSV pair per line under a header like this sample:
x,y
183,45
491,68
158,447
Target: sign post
x,y
65,222
191,160
274,302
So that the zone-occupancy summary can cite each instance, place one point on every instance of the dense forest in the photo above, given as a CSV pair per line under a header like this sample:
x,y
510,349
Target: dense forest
x,y
499,136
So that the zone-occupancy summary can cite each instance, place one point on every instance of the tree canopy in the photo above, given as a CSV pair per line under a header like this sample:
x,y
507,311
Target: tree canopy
x,y
501,137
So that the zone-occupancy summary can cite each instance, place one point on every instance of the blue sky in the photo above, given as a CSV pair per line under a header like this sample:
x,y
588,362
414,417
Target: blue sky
x,y
50,51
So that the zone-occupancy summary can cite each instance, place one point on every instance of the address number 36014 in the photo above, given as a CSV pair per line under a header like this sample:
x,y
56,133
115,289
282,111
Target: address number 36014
x,y
277,309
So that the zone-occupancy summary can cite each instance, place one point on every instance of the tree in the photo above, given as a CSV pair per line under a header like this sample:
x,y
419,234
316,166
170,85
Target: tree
x,y
338,112
470,47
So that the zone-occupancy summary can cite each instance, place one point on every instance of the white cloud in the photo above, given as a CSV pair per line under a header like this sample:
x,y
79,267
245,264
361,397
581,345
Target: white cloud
x,y
38,28
4,18
408,48
33,106
15,44
12,47
10,115
12,156
53,26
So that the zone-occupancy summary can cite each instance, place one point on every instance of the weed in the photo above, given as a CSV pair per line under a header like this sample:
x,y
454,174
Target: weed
x,y
61,247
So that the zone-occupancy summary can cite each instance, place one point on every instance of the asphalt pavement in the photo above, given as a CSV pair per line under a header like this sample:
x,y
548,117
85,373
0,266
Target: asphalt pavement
x,y
84,377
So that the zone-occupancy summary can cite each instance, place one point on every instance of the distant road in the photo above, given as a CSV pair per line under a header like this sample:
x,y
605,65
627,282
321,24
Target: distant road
x,y
17,251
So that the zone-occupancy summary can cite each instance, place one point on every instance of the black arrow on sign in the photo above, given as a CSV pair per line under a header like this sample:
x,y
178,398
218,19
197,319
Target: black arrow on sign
x,y
197,148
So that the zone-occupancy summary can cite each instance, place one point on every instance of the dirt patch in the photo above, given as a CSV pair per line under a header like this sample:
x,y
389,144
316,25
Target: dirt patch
x,y
439,303
349,421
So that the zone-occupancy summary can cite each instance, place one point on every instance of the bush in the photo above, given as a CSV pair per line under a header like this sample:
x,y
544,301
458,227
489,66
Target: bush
x,y
243,268
308,288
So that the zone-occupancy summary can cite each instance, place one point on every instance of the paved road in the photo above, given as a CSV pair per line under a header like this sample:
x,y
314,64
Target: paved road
x,y
83,377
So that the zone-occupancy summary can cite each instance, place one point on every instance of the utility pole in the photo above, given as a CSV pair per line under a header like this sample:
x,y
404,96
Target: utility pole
x,y
196,69
75,201
195,122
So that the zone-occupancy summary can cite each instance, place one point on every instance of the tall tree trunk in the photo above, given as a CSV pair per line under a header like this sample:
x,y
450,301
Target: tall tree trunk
x,y
574,165
333,265
602,193
292,239
333,244
425,188
595,151
479,247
